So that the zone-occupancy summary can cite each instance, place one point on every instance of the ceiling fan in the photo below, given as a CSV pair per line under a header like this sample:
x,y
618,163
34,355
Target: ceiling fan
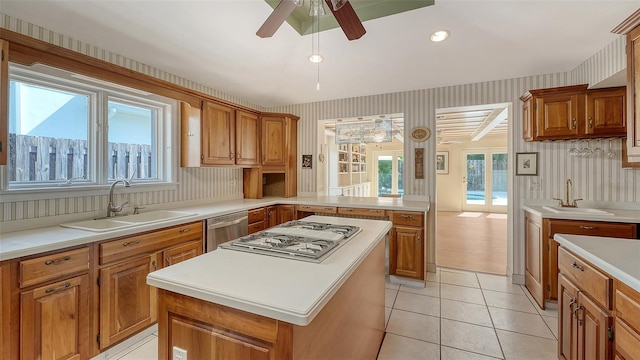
x,y
440,140
341,9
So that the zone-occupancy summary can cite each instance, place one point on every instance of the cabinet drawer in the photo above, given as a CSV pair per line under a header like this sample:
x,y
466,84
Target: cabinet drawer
x,y
318,209
627,341
256,226
148,242
43,268
256,215
628,305
408,218
598,285
593,228
361,212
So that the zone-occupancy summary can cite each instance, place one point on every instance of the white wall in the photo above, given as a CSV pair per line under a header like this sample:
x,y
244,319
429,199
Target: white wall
x,y
449,190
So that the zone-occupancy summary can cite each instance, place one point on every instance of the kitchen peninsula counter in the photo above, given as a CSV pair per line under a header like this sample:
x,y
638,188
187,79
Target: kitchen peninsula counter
x,y
617,215
224,296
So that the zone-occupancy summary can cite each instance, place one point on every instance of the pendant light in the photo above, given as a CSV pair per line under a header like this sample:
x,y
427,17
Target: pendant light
x,y
315,10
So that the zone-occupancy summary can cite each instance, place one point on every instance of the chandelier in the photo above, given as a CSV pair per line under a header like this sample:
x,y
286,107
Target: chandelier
x,y
363,133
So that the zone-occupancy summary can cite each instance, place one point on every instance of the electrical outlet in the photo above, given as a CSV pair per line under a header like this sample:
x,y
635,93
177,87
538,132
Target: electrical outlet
x,y
179,354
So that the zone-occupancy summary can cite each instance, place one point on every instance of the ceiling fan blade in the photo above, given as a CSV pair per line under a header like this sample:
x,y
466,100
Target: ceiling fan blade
x,y
348,20
277,17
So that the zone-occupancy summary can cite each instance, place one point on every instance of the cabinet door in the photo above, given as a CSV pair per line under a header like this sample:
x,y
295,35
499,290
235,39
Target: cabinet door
x,y
285,213
4,100
190,135
405,252
606,112
247,138
218,134
633,93
534,257
567,325
54,320
182,252
527,121
127,303
627,341
557,115
594,325
271,213
274,141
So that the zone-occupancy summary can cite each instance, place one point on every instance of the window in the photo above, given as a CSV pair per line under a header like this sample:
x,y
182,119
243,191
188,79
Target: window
x,y
68,130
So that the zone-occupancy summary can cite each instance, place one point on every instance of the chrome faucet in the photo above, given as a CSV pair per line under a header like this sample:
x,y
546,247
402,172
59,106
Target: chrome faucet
x,y
112,209
566,202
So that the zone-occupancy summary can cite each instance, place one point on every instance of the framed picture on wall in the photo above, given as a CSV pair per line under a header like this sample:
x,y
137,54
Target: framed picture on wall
x,y
527,163
442,162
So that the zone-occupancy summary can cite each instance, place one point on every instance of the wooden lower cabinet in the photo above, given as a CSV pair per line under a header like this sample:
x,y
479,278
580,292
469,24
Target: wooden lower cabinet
x,y
406,245
54,320
286,213
585,329
271,214
627,323
127,303
534,261
182,252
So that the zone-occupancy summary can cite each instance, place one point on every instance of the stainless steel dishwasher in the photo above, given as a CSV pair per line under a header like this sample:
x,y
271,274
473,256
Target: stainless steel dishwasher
x,y
225,228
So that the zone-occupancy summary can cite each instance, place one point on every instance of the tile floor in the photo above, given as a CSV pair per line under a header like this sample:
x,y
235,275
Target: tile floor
x,y
459,315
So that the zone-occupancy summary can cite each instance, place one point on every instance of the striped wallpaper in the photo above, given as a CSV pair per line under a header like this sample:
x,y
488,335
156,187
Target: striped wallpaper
x,y
595,179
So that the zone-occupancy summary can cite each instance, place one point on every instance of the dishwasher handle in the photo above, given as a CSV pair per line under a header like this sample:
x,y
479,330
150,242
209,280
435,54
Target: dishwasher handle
x,y
221,224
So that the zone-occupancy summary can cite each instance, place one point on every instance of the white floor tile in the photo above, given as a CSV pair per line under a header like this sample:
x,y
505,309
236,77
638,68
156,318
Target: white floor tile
x,y
461,293
509,301
422,304
460,278
447,353
391,286
469,337
498,283
390,297
387,314
550,311
552,322
431,289
526,347
520,322
465,312
417,326
433,276
400,347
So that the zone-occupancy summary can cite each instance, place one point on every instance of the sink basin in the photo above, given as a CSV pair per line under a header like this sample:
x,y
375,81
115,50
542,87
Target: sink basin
x,y
120,222
576,211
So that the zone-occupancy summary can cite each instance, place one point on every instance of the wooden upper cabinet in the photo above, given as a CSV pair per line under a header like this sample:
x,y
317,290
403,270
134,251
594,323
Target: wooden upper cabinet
x,y
606,112
190,136
274,141
4,101
218,134
573,112
247,133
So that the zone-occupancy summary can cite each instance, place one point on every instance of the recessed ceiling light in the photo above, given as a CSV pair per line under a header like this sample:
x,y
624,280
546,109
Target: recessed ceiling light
x,y
439,35
315,58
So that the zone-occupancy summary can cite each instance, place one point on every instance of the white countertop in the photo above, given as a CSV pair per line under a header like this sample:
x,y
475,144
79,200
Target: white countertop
x,y
619,258
29,242
619,215
284,289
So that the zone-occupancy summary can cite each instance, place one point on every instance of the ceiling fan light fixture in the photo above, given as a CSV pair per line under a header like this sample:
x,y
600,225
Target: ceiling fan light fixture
x,y
440,35
316,8
337,4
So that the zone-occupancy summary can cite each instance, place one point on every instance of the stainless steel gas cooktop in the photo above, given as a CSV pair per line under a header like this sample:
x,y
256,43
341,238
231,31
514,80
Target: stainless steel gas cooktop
x,y
299,240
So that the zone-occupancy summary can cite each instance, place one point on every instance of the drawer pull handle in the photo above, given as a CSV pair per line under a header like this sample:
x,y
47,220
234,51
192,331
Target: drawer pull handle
x,y
58,261
134,242
185,230
581,268
587,227
348,209
375,211
407,216
256,212
61,287
329,208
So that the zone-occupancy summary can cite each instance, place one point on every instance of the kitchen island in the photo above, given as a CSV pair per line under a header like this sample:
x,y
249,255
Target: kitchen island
x,y
233,304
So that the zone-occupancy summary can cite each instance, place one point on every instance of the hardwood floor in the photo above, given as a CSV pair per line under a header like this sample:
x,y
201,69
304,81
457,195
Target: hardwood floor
x,y
472,241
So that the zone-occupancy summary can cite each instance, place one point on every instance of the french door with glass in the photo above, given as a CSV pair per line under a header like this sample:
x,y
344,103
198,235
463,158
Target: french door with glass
x,y
389,166
484,182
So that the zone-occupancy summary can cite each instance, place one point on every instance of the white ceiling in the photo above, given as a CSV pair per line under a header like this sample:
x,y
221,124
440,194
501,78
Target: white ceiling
x,y
213,42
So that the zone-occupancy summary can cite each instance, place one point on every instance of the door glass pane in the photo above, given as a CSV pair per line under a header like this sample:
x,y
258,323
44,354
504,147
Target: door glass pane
x,y
400,175
499,179
385,174
131,134
48,130
475,179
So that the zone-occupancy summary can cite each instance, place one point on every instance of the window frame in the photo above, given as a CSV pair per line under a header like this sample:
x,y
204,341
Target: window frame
x,y
100,93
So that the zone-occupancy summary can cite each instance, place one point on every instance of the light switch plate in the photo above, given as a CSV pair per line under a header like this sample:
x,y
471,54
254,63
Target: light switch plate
x,y
179,354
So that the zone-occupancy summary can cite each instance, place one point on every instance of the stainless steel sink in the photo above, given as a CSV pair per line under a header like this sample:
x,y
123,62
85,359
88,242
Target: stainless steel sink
x,y
121,222
576,211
